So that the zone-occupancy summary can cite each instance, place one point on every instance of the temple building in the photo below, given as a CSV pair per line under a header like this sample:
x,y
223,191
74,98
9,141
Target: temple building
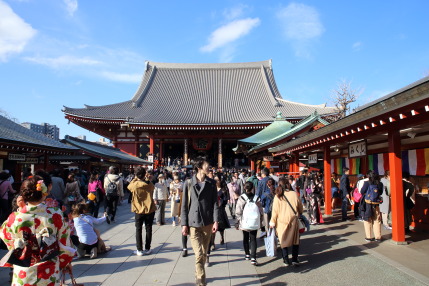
x,y
181,111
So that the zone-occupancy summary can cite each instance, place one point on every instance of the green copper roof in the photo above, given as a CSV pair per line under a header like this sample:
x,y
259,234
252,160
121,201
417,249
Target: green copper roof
x,y
289,132
279,125
278,130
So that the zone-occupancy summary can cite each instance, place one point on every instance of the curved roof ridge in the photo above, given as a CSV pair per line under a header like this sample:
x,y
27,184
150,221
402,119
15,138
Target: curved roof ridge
x,y
268,87
266,63
66,108
305,104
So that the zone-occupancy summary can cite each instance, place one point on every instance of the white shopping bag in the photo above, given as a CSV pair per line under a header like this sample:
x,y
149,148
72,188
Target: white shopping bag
x,y
271,243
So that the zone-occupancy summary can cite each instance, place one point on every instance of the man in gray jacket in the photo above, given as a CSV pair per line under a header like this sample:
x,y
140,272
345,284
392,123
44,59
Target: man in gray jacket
x,y
199,215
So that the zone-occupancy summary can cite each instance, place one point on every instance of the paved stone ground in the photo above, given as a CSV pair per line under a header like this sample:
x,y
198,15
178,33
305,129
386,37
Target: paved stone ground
x,y
331,254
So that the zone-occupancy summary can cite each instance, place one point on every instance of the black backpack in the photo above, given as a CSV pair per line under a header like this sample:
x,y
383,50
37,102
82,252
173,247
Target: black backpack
x,y
112,188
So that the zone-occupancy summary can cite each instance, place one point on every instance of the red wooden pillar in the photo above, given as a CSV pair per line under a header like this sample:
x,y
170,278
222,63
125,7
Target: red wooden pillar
x,y
137,145
268,164
185,152
151,144
161,150
252,165
295,163
364,164
397,196
327,179
219,157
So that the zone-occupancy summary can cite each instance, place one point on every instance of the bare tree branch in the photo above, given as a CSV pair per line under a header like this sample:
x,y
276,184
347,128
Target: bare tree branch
x,y
343,96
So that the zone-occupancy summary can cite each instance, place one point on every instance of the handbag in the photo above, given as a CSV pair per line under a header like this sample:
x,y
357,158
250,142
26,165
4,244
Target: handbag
x,y
177,199
270,243
301,224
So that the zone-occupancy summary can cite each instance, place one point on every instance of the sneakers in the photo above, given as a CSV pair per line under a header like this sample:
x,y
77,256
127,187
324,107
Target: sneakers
x,y
147,251
138,252
369,239
377,240
207,261
174,223
107,219
184,252
254,262
387,227
263,234
247,257
93,253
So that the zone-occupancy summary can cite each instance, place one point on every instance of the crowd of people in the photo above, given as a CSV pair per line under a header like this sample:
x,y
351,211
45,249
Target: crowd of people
x,y
68,204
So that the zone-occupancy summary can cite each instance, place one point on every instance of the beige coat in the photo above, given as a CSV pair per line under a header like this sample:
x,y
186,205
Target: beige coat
x,y
284,219
176,190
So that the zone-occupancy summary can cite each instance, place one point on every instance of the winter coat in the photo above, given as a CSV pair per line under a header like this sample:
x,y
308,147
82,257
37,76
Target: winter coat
x,y
284,219
118,180
142,200
176,191
72,192
241,203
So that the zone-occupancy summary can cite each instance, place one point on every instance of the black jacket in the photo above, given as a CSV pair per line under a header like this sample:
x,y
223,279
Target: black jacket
x,y
203,209
344,185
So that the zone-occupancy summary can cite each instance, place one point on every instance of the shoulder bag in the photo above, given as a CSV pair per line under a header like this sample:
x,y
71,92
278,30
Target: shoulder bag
x,y
301,224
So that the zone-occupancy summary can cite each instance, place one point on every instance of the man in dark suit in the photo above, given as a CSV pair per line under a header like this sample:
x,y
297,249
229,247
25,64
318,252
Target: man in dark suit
x,y
199,215
345,191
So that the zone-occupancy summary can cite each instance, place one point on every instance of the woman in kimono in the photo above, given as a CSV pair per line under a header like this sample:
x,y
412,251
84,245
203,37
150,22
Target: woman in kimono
x,y
287,206
313,198
44,234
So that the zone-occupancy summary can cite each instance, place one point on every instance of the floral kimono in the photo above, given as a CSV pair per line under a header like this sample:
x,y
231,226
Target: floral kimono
x,y
47,226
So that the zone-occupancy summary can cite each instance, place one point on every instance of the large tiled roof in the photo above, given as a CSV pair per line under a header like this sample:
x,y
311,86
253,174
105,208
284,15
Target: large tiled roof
x,y
203,94
15,133
113,154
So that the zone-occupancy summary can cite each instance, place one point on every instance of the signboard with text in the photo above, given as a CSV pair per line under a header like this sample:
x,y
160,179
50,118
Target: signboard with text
x,y
16,157
357,149
268,158
312,158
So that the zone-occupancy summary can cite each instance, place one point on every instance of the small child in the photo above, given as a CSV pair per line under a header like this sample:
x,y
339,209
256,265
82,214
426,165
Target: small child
x,y
88,236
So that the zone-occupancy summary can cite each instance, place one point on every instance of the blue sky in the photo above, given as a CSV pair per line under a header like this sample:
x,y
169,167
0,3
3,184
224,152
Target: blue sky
x,y
73,52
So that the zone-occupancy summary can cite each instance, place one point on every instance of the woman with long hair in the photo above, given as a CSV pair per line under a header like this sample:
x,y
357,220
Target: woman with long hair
x,y
222,200
370,210
72,193
41,233
96,194
246,224
287,206
176,190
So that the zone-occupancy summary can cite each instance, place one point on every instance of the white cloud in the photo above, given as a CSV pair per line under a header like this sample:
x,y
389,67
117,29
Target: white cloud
x,y
63,61
15,33
235,12
301,25
71,6
357,46
121,77
300,22
230,33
